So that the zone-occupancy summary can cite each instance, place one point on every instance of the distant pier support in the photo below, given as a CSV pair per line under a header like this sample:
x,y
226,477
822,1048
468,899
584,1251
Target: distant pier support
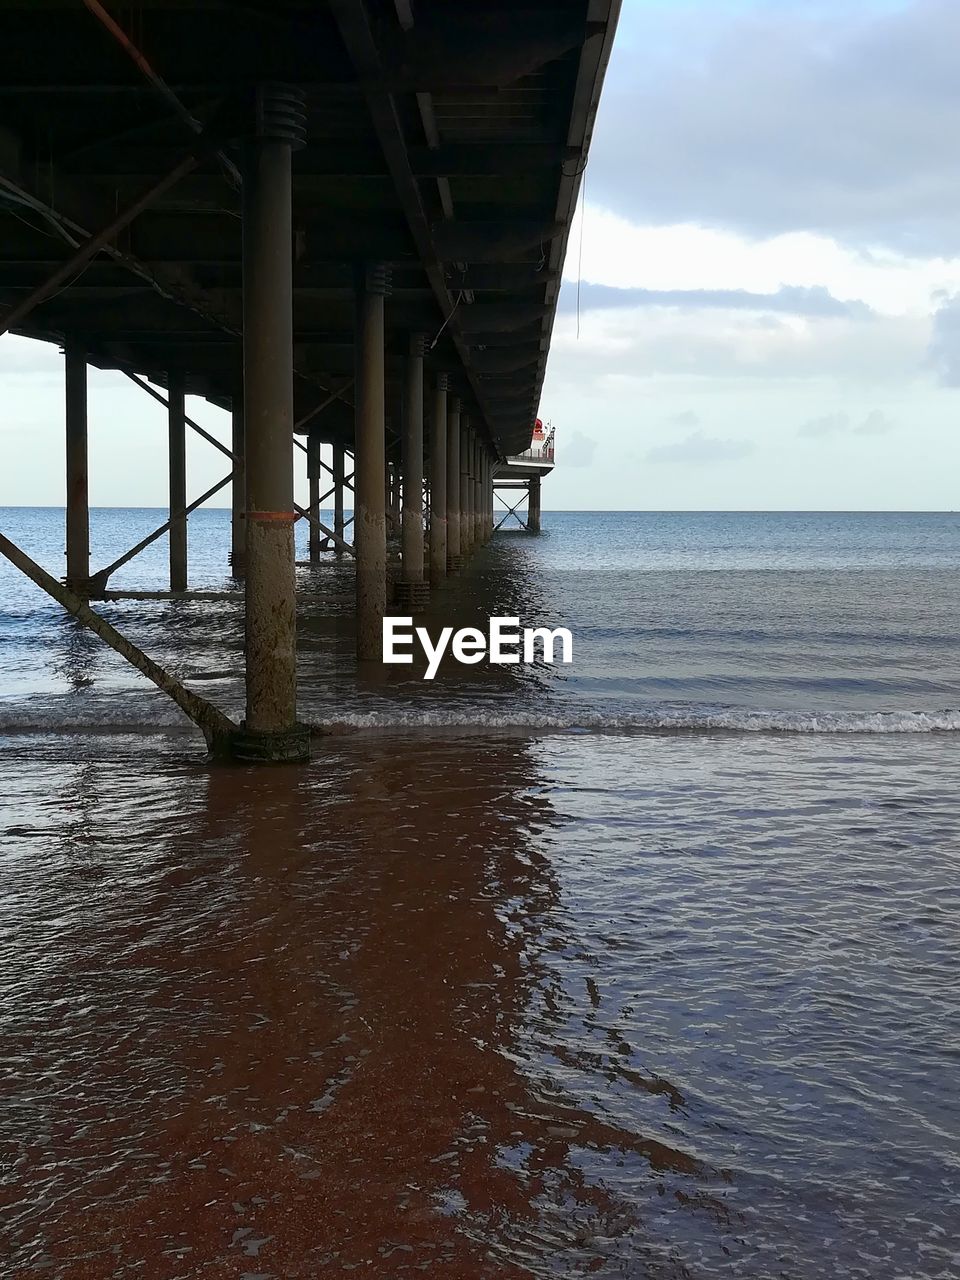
x,y
413,593
533,505
454,556
339,478
314,474
238,515
438,483
475,487
177,456
370,516
488,502
271,731
78,498
466,518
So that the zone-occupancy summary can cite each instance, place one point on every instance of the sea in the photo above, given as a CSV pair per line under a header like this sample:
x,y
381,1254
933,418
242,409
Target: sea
x,y
647,965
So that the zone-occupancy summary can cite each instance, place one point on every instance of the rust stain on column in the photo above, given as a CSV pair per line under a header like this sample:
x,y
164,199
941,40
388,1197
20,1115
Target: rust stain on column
x,y
271,719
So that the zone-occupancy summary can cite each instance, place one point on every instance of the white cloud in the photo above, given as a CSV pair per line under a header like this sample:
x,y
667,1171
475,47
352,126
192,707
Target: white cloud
x,y
698,449
685,256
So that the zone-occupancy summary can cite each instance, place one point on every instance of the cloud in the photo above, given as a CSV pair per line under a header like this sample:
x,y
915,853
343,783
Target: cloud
x,y
800,273
578,449
797,300
944,351
41,362
839,119
685,419
830,424
737,345
699,449
876,423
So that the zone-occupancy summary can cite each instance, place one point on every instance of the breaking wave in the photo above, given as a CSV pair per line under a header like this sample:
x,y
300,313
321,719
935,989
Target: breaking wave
x,y
48,718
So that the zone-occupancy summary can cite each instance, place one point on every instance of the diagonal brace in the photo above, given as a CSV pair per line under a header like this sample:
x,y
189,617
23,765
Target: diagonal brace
x,y
89,249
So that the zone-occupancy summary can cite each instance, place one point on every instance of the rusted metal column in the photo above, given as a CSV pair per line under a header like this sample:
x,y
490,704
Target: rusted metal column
x,y
78,499
488,497
438,483
338,488
412,592
177,456
533,505
369,503
482,495
476,500
466,520
271,731
454,555
393,499
238,527
314,471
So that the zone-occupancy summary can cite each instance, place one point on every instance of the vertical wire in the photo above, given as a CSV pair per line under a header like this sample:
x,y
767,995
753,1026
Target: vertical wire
x,y
583,214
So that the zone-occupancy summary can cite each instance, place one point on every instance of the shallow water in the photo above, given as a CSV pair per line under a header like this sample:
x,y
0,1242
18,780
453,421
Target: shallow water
x,y
513,1001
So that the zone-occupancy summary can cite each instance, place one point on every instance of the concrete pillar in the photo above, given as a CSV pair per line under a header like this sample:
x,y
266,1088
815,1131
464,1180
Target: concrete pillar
x,y
270,730
369,468
238,524
533,505
438,483
338,489
78,499
454,557
412,592
466,520
314,476
177,456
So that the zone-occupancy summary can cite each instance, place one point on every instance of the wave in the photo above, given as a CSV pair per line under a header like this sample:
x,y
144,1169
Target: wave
x,y
733,720
159,718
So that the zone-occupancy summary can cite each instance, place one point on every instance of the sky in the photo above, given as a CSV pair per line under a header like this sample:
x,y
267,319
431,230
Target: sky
x,y
761,299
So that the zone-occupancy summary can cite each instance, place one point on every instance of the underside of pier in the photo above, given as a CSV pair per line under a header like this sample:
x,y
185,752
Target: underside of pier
x,y
342,220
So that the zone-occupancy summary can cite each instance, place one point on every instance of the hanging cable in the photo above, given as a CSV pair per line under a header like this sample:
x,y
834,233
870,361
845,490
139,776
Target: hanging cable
x,y
583,214
453,312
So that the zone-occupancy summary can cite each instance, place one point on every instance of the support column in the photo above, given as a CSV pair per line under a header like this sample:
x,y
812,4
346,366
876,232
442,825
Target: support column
x,y
177,434
466,521
438,483
338,488
454,552
238,528
476,492
393,499
533,505
314,474
413,594
488,497
369,467
270,731
78,500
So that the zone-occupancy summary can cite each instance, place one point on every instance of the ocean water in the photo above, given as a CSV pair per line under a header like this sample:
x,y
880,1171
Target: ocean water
x,y
645,966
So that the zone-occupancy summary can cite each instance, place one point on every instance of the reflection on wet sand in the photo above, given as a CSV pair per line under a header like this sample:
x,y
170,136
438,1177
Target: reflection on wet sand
x,y
277,1024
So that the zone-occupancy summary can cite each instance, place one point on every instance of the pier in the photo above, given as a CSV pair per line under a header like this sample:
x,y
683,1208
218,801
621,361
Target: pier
x,y
342,222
